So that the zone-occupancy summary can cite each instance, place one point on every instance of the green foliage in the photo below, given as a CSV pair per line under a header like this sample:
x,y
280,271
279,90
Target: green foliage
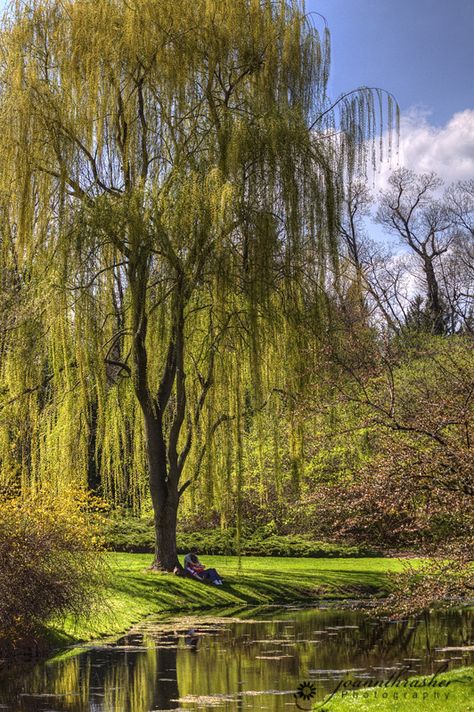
x,y
50,567
170,198
413,483
130,534
133,534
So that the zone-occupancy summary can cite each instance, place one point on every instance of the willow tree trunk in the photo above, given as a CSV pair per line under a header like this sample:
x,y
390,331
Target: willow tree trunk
x,y
163,488
166,513
164,496
164,462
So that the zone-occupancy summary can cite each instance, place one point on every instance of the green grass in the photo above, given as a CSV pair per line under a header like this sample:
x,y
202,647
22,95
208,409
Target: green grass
x,y
456,696
134,592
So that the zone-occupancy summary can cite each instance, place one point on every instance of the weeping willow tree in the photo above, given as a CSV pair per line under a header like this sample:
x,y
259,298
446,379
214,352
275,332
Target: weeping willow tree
x,y
170,173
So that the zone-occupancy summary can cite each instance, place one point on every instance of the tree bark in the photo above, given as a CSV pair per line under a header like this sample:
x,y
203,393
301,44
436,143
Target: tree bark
x,y
163,489
166,514
433,302
164,497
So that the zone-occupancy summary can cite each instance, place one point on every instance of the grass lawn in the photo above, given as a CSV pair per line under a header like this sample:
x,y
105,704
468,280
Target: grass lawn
x,y
456,695
134,592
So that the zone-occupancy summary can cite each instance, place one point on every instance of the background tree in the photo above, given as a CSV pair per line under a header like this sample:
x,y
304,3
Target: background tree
x,y
458,266
402,431
399,288
409,210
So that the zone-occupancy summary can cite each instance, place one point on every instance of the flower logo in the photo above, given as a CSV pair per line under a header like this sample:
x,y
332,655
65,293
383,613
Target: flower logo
x,y
306,690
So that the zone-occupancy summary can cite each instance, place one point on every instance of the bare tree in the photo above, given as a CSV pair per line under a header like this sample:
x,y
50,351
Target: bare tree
x,y
379,275
458,266
410,211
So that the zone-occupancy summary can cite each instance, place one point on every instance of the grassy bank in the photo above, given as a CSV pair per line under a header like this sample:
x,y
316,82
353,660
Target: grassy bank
x,y
453,692
134,592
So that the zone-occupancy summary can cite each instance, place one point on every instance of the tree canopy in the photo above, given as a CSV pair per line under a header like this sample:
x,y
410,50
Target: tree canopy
x,y
170,180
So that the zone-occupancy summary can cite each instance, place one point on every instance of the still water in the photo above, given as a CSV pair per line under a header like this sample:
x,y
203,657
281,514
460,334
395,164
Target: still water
x,y
251,660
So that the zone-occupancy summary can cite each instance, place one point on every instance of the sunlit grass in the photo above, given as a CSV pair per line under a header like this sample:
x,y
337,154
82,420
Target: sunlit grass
x,y
456,695
134,591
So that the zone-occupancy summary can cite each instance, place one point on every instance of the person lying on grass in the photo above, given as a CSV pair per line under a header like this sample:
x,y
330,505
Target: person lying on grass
x,y
194,567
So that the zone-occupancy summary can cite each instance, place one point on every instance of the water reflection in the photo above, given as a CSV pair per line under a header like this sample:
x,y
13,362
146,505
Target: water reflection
x,y
215,663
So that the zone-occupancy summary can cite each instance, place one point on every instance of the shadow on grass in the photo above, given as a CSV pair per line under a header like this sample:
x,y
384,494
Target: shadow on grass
x,y
170,592
134,592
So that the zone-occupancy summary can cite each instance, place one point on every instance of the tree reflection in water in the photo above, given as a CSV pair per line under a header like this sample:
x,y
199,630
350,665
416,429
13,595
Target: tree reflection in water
x,y
229,664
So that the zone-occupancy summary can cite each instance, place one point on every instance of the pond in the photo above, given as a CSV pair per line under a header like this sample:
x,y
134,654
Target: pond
x,y
253,659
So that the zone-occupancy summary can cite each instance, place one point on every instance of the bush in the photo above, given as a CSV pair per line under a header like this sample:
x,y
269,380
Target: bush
x,y
49,567
137,535
131,534
443,580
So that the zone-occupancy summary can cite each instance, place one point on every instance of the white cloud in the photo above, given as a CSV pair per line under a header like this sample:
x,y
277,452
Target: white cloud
x,y
447,150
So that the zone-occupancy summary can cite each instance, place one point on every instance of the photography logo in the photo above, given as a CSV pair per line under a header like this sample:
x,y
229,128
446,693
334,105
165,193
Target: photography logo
x,y
398,687
304,694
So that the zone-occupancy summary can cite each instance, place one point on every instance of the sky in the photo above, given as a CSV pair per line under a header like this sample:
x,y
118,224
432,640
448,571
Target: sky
x,y
422,51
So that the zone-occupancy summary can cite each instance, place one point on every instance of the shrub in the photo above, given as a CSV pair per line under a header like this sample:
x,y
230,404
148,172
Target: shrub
x,y
50,567
137,535
444,579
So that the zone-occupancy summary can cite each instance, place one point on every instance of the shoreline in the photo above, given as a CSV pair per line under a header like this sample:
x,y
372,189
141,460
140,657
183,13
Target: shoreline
x,y
134,592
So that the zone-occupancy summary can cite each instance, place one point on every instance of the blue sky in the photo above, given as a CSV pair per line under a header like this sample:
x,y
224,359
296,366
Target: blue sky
x,y
421,50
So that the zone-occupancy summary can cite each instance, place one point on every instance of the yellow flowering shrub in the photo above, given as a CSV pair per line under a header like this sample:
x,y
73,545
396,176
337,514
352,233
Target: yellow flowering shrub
x,y
50,565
